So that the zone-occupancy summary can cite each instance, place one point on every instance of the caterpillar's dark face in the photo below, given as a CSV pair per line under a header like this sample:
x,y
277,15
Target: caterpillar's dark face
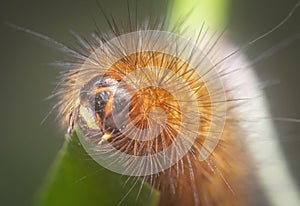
x,y
102,110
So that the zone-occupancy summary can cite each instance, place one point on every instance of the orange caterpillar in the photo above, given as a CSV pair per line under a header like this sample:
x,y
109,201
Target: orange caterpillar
x,y
161,100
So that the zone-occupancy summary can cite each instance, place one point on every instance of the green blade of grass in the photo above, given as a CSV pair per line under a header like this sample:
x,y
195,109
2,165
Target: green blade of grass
x,y
76,179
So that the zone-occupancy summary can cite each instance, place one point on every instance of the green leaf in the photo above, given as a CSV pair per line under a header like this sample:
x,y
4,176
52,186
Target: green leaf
x,y
76,179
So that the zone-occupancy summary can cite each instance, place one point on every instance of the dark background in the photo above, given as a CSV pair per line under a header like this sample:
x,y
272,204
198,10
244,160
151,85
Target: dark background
x,y
27,148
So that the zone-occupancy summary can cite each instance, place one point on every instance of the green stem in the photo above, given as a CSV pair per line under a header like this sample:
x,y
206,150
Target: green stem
x,y
213,13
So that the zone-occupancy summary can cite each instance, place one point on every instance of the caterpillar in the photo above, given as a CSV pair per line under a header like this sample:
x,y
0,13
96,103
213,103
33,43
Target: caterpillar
x,y
137,91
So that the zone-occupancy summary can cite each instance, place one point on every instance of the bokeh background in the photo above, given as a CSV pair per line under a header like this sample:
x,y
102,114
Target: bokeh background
x,y
28,147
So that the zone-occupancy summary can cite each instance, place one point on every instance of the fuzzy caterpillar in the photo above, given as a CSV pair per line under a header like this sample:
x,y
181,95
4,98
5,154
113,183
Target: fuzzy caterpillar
x,y
198,182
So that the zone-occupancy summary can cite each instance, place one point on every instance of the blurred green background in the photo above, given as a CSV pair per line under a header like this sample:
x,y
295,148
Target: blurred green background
x,y
27,148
